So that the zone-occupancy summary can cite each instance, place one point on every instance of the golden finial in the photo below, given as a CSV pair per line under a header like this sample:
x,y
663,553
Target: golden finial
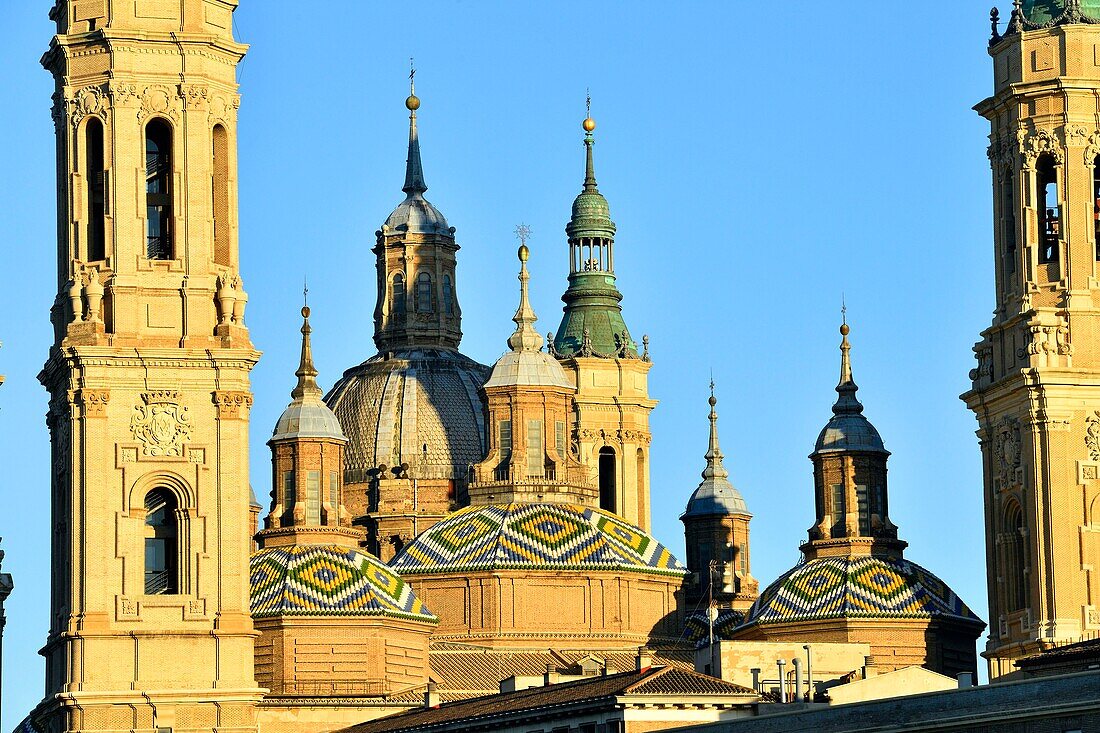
x,y
589,124
305,298
523,232
412,103
844,330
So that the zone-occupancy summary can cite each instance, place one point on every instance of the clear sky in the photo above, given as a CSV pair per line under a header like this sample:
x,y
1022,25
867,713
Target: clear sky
x,y
760,160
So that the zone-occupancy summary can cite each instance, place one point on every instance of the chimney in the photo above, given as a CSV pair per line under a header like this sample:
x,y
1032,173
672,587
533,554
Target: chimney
x,y
550,676
782,681
431,695
755,678
643,660
869,667
797,696
966,679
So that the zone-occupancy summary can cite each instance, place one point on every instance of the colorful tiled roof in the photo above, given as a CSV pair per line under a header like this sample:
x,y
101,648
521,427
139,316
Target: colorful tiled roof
x,y
696,626
597,692
326,580
534,536
835,587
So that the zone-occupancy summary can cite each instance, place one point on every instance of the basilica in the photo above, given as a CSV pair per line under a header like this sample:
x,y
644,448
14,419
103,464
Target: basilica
x,y
434,529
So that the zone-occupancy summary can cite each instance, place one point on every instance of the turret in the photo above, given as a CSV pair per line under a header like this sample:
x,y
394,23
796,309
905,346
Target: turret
x,y
716,527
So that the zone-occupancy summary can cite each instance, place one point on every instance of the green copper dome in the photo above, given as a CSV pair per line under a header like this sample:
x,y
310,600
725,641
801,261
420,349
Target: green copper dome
x,y
1044,11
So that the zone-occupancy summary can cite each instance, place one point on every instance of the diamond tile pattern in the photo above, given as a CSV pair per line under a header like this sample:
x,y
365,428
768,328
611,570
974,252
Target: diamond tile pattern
x,y
326,580
834,587
528,536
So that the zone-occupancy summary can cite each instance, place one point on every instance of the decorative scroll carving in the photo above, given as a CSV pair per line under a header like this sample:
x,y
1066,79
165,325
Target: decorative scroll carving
x,y
87,101
1092,435
1038,143
93,402
1006,449
161,424
156,100
983,373
230,404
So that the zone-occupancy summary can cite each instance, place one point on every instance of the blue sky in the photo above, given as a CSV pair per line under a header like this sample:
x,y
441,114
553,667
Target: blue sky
x,y
759,162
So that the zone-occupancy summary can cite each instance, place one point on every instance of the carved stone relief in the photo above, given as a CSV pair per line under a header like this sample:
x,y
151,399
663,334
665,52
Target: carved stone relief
x,y
1006,450
161,424
1092,435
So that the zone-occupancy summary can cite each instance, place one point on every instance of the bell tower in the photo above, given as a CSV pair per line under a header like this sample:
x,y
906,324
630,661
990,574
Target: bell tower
x,y
148,375
1036,387
612,403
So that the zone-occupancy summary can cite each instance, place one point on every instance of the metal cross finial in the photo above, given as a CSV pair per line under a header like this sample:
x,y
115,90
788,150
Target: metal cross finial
x,y
305,291
523,232
412,76
587,103
843,310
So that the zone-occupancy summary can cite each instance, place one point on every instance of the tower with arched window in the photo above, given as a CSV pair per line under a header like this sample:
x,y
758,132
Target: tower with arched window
x,y
1035,390
150,626
610,371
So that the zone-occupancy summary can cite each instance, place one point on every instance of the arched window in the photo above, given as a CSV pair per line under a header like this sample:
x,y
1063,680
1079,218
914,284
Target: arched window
x,y
448,296
93,136
423,293
536,461
608,493
313,498
161,546
220,194
1014,559
398,294
838,510
1008,216
158,190
1050,215
289,497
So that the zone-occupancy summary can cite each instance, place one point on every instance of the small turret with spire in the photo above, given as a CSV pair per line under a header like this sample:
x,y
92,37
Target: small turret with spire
x,y
307,458
850,476
716,527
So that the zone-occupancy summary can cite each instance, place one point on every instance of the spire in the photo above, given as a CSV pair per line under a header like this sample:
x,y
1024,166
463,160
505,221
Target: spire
x,y
589,125
525,337
307,373
846,403
714,468
414,171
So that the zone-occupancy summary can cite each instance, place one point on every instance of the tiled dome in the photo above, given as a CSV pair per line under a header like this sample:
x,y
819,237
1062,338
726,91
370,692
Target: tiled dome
x,y
390,408
534,536
866,586
326,580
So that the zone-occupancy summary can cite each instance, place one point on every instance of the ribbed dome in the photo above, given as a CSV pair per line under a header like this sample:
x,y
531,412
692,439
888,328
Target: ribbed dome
x,y
390,408
532,537
864,586
528,369
849,433
326,580
416,215
308,420
1044,11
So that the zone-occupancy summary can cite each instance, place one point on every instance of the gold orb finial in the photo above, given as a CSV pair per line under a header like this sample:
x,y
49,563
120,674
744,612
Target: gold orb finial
x,y
844,330
524,253
305,311
412,103
589,124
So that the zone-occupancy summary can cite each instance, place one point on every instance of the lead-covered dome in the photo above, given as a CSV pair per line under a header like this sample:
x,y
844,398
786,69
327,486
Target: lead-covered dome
x,y
715,495
307,416
328,580
534,537
393,405
860,586
848,429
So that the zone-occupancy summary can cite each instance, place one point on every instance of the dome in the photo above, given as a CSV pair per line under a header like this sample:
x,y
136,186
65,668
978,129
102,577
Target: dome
x,y
715,497
1044,11
309,419
849,433
528,369
416,215
326,580
534,537
392,405
863,586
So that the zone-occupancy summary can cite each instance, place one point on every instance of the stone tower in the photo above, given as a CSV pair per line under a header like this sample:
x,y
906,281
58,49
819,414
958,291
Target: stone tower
x,y
148,376
716,532
612,403
1035,388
